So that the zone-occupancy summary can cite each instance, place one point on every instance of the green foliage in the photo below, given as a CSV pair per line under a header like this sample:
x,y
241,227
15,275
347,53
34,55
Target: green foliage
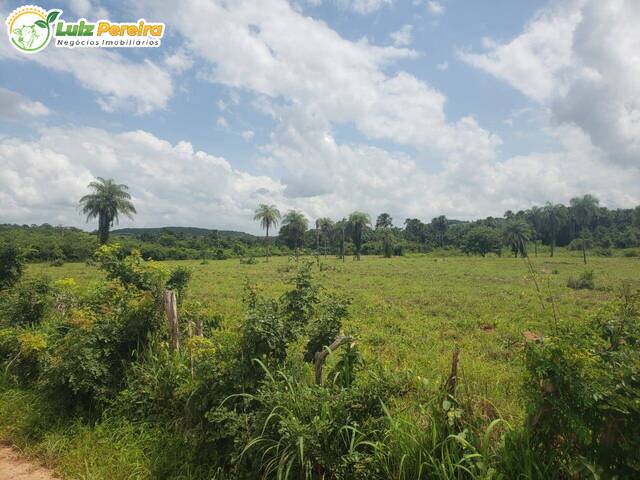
x,y
27,303
11,265
178,280
586,380
584,281
481,240
131,269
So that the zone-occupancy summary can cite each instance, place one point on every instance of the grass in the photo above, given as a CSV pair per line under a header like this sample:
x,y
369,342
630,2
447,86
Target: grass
x,y
411,312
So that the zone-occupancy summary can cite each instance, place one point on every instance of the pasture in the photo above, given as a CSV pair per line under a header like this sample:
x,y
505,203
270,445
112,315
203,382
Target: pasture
x,y
410,312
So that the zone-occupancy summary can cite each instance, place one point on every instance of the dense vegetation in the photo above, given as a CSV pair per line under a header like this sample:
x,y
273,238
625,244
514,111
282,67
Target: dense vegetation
x,y
91,376
581,226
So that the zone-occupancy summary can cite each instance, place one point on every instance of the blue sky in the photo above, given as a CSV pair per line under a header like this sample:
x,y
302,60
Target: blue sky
x,y
413,107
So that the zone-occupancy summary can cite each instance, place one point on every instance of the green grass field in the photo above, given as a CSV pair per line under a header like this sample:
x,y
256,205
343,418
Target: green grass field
x,y
410,312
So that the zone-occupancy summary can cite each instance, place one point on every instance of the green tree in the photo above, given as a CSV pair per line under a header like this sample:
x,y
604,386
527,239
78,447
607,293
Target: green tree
x,y
11,265
358,221
384,223
554,218
440,225
339,235
268,216
294,226
583,210
106,203
535,216
517,233
481,240
324,227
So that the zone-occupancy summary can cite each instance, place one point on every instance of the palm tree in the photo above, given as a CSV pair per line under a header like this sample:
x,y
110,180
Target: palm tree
x,y
554,218
535,217
324,227
357,223
107,201
339,230
440,225
295,224
384,222
517,233
583,210
268,216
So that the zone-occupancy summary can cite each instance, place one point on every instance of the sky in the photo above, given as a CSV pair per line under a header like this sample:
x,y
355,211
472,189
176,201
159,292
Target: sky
x,y
413,107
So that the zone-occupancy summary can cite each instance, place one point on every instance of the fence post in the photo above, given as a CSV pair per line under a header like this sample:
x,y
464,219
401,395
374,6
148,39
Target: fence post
x,y
171,308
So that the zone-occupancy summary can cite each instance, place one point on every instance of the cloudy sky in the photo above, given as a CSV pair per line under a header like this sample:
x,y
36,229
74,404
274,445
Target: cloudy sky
x,y
413,107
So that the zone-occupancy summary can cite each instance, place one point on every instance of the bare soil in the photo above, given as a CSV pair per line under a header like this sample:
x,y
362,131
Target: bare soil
x,y
14,466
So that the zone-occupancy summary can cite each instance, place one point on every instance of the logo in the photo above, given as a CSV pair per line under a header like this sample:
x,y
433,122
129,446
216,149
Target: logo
x,y
31,28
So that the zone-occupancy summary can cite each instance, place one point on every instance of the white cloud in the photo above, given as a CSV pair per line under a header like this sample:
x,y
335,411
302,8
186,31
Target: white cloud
x,y
402,37
363,7
582,59
16,107
333,78
444,66
436,8
221,122
178,61
248,135
121,84
88,9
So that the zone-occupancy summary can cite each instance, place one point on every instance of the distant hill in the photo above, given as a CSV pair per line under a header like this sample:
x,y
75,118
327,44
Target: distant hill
x,y
187,231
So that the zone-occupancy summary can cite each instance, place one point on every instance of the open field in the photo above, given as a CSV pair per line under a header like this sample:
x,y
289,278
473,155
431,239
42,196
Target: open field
x,y
410,312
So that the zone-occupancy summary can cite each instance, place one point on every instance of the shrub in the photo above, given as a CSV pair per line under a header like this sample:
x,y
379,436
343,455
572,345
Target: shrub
x,y
178,280
11,265
584,281
583,390
28,302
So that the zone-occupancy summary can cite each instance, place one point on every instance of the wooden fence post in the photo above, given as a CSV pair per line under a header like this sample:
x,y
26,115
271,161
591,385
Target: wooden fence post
x,y
452,381
171,308
321,356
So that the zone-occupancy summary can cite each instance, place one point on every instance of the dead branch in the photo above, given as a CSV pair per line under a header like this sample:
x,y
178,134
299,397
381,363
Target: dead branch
x,y
321,356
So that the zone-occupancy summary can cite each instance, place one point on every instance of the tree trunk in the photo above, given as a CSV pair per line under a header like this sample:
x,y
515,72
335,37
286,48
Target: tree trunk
x,y
553,244
171,308
267,242
321,356
103,229
452,381
584,249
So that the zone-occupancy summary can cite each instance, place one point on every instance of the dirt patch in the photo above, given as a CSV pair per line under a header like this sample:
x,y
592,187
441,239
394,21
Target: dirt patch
x,y
13,466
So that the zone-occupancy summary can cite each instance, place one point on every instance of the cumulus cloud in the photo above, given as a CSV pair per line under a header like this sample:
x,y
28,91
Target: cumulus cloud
x,y
436,8
363,7
402,37
42,180
16,107
581,58
333,78
121,84
221,122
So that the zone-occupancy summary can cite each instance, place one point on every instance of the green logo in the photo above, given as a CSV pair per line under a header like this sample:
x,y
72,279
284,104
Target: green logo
x,y
30,27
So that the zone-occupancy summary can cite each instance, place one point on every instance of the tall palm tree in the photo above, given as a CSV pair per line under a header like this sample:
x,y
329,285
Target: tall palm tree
x,y
440,225
583,210
384,222
554,218
517,233
535,217
268,216
339,233
107,202
295,225
324,227
358,221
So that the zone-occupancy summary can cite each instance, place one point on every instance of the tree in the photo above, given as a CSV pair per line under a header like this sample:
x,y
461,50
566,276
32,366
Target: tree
x,y
384,223
324,227
107,202
517,233
554,218
535,217
583,211
11,265
294,225
481,240
268,216
339,234
358,221
440,225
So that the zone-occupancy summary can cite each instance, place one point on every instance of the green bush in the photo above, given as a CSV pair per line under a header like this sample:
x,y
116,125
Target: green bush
x,y
28,302
584,281
11,265
583,390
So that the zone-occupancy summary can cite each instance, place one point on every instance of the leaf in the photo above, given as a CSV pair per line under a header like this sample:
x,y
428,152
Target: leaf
x,y
52,16
41,23
446,405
